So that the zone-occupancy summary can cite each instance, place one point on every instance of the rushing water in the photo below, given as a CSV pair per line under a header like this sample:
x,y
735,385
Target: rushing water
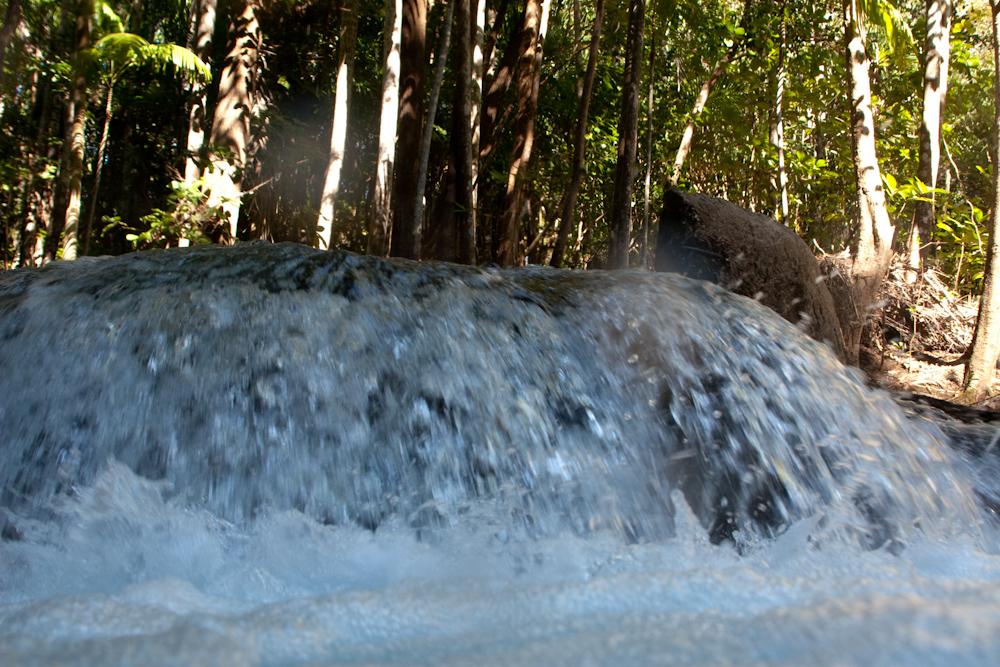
x,y
272,455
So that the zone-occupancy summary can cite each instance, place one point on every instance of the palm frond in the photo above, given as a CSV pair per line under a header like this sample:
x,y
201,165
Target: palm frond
x,y
120,48
123,49
898,36
185,60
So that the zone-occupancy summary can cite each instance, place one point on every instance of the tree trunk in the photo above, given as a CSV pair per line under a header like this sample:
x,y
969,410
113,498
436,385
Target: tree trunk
x,y
529,68
872,246
201,44
47,234
47,240
577,47
379,229
85,10
986,341
491,40
779,114
468,236
936,51
463,122
425,145
407,222
346,46
204,28
11,20
496,81
35,191
231,125
98,167
567,214
628,133
461,136
699,104
644,259
496,91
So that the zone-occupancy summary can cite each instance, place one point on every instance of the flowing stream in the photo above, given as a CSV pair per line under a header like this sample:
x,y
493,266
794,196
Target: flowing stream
x,y
271,455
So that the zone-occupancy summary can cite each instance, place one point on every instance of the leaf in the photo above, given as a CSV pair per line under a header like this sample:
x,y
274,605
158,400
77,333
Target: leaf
x,y
898,37
124,49
119,49
160,55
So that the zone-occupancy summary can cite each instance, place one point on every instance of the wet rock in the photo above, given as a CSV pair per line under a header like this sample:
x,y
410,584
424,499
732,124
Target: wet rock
x,y
750,254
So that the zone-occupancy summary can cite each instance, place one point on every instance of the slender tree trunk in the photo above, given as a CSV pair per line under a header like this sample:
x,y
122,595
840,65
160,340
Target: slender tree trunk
x,y
577,46
379,229
491,39
37,211
52,209
201,44
699,104
346,46
461,135
509,251
872,247
11,21
986,341
468,241
628,133
407,221
779,113
496,91
231,124
425,145
47,208
936,52
644,263
98,167
468,92
36,190
49,236
71,225
567,214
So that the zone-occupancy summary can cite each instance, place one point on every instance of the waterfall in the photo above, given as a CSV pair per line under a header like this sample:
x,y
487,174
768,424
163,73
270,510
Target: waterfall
x,y
299,443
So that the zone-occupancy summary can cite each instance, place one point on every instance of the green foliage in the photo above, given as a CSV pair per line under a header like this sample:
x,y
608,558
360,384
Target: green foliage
x,y
893,23
188,213
963,255
733,153
118,51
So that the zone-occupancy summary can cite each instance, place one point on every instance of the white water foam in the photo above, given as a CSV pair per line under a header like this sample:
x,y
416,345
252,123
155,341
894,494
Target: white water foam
x,y
123,577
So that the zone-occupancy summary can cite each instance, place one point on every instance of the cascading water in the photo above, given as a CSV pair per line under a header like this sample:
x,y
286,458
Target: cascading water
x,y
274,455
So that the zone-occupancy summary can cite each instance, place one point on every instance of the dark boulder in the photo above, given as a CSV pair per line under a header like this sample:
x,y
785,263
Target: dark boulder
x,y
750,254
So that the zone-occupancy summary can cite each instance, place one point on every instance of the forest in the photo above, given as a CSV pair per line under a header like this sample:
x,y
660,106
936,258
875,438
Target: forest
x,y
503,132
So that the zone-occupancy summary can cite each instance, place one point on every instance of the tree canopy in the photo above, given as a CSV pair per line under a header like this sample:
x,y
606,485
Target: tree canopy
x,y
508,106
